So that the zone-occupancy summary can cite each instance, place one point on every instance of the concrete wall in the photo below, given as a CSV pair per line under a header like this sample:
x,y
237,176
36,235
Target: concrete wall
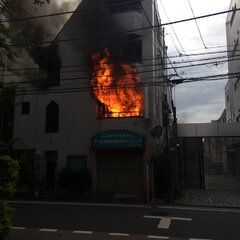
x,y
218,129
233,43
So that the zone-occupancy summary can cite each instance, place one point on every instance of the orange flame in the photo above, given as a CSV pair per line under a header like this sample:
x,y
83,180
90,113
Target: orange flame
x,y
115,87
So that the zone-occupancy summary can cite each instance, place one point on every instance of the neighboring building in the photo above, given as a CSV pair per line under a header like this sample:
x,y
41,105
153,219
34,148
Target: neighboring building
x,y
232,89
102,88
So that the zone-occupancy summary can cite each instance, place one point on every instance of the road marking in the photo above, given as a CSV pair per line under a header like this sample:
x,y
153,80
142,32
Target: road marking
x,y
47,230
82,232
119,234
199,239
166,221
158,237
18,228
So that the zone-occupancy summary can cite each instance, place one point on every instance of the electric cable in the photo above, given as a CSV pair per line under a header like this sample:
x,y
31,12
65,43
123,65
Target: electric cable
x,y
126,31
200,34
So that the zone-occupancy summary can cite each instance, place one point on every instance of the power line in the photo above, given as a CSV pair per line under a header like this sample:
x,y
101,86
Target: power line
x,y
122,74
96,8
159,41
197,24
126,31
144,59
142,66
137,72
67,12
180,44
118,86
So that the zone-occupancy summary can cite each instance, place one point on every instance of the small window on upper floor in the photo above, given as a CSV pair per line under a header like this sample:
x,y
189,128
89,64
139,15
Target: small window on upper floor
x,y
133,49
233,13
50,76
25,108
235,47
120,6
52,117
227,98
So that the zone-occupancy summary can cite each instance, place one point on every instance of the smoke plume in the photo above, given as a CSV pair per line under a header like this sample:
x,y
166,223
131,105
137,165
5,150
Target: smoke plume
x,y
30,33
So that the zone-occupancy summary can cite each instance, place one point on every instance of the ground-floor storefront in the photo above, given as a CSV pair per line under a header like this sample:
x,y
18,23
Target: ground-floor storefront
x,y
120,172
119,162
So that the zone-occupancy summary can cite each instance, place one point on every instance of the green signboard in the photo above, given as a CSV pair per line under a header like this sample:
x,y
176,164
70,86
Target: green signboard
x,y
117,139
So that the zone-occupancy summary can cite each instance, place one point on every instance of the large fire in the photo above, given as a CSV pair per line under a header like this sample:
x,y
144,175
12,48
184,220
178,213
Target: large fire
x,y
116,87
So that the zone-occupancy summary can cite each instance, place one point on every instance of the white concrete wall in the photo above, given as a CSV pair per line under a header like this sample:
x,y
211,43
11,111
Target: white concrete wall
x,y
233,43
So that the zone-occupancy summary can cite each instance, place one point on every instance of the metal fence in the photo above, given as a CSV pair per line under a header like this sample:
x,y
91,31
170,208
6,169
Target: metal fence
x,y
221,158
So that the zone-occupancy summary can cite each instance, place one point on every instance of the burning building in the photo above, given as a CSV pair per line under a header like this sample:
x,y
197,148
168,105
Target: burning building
x,y
107,91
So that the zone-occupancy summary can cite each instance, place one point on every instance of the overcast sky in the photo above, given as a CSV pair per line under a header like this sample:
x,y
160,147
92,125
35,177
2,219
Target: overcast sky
x,y
205,101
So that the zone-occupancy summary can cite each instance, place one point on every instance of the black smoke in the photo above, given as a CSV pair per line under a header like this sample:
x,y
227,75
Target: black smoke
x,y
29,36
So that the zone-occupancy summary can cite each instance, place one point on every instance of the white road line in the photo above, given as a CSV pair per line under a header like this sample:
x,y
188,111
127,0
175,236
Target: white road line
x,y
82,232
18,228
199,239
181,219
164,223
173,218
156,217
119,234
48,230
158,237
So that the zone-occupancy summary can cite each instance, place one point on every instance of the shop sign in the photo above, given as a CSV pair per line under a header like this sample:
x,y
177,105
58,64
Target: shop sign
x,y
118,139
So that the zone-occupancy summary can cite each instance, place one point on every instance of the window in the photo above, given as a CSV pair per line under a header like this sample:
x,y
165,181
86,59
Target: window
x,y
227,98
133,49
233,13
25,108
52,117
49,66
50,76
120,6
235,48
76,162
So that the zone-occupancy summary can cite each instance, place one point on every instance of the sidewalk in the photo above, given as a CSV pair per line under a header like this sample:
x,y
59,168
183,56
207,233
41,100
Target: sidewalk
x,y
210,198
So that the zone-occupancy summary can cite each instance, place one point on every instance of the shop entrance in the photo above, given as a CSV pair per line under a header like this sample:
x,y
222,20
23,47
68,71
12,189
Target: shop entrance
x,y
120,172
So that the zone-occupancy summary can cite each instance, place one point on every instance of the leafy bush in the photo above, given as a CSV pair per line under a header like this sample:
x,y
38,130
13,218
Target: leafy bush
x,y
75,182
8,179
8,175
5,220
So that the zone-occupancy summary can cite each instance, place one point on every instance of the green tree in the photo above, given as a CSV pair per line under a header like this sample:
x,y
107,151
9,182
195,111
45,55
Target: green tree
x,y
6,33
8,179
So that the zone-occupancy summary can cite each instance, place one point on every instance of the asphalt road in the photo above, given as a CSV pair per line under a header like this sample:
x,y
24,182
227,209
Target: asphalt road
x,y
187,223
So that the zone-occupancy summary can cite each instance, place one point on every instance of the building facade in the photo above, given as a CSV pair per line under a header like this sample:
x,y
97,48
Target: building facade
x,y
102,87
232,89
